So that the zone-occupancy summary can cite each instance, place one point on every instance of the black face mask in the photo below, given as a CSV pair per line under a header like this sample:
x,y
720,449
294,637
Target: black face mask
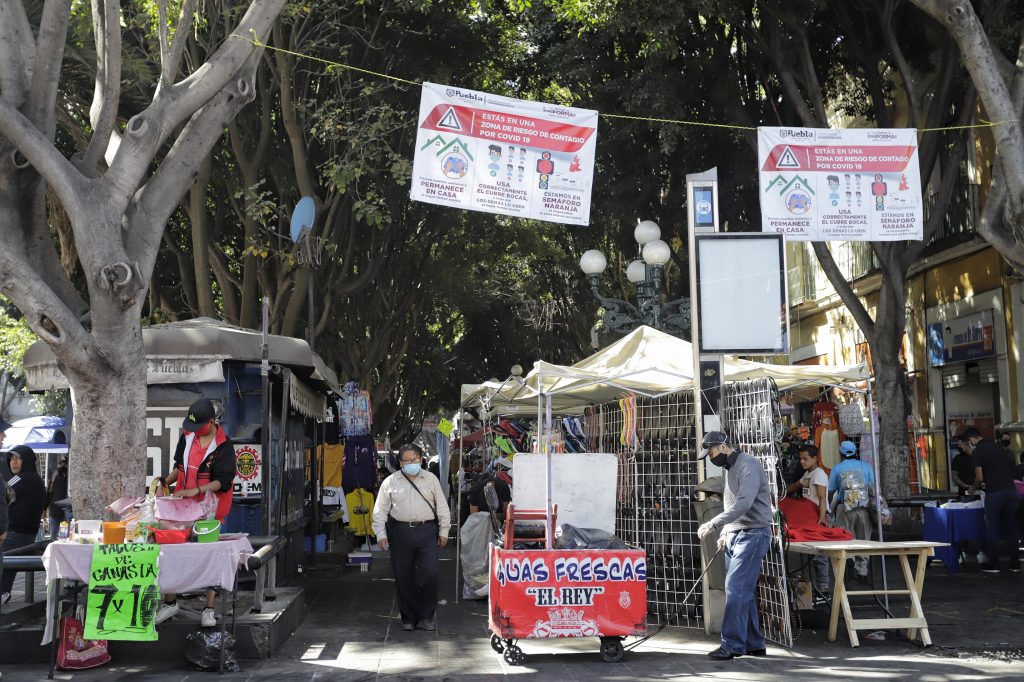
x,y
1005,442
720,459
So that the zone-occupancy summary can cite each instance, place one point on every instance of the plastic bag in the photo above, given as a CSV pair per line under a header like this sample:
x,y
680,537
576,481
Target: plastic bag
x,y
570,537
202,650
76,653
476,536
179,509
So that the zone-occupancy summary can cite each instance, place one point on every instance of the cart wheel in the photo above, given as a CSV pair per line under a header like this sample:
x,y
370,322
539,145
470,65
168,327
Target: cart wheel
x,y
612,650
514,655
496,644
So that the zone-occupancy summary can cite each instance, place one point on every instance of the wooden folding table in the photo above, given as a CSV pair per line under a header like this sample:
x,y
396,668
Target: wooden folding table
x,y
839,551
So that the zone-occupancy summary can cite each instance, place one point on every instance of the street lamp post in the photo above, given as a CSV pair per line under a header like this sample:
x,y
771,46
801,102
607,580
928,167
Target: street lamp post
x,y
647,275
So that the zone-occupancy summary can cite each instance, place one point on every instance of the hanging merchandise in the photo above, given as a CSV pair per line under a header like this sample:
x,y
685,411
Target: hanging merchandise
x,y
360,468
359,503
827,434
851,418
356,412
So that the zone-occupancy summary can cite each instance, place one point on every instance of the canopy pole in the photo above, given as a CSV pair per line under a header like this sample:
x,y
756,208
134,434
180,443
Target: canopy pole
x,y
549,531
876,448
458,502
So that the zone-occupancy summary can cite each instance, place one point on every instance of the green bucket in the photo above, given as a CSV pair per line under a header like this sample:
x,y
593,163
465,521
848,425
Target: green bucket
x,y
207,531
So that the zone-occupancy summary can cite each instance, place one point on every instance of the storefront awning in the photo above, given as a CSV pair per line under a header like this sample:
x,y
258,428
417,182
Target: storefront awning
x,y
305,400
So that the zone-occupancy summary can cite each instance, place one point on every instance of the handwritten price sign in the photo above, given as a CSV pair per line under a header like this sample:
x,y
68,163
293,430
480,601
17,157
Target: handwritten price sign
x,y
123,593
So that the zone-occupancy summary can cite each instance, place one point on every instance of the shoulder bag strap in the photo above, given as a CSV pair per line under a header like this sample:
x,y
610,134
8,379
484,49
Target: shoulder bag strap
x,y
433,508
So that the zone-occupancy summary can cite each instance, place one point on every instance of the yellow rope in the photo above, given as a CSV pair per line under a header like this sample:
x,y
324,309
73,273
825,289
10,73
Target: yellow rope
x,y
648,119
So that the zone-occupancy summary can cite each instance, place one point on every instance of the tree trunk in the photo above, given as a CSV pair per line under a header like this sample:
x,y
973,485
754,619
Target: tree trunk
x,y
108,441
892,462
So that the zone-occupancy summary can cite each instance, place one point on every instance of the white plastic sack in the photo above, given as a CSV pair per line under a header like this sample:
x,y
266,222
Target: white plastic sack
x,y
476,536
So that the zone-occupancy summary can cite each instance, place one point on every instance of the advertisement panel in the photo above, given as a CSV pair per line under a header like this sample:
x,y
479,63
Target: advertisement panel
x,y
854,184
248,471
568,593
960,340
503,155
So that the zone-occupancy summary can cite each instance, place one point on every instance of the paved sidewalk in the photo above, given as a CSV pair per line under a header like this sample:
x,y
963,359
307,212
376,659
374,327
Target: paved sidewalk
x,y
352,632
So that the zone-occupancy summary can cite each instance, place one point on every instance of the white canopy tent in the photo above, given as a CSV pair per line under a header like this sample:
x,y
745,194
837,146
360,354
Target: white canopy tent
x,y
646,362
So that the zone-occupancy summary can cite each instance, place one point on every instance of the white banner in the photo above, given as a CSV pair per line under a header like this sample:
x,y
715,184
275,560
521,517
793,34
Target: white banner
x,y
502,155
855,184
160,369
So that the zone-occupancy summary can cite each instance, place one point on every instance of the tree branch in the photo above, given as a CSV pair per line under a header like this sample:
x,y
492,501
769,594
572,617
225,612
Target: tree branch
x,y
53,30
147,131
844,288
17,52
889,33
35,149
106,21
170,59
154,203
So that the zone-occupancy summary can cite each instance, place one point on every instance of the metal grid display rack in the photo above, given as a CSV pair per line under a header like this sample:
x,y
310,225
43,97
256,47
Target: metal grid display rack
x,y
656,493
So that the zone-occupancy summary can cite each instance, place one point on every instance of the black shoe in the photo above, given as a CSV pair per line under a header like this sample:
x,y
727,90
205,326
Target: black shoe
x,y
1014,569
721,654
426,625
989,568
756,652
408,627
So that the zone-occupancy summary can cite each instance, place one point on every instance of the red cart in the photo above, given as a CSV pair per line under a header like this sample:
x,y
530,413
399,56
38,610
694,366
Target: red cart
x,y
547,593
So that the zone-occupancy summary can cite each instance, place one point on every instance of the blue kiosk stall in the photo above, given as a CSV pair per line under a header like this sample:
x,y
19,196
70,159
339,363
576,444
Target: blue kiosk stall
x,y
275,494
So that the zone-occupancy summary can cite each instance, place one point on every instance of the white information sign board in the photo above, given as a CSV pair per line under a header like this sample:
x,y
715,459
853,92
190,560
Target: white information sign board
x,y
857,184
502,155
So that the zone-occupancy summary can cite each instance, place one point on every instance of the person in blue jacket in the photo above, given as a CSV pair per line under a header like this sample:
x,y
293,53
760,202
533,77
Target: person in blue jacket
x,y
850,489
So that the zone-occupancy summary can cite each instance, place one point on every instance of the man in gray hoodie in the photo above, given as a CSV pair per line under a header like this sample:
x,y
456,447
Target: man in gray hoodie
x,y
746,533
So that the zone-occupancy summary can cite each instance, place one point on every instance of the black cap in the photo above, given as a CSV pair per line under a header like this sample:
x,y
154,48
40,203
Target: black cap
x,y
4,425
200,413
711,439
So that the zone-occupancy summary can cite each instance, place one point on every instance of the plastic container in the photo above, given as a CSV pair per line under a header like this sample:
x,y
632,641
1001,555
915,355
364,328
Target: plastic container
x,y
171,537
207,531
113,533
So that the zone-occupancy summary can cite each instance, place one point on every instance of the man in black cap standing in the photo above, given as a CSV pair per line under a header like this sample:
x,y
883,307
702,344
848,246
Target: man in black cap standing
x,y
745,536
993,473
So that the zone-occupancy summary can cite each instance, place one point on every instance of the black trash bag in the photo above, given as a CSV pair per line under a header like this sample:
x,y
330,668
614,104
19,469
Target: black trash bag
x,y
202,650
570,537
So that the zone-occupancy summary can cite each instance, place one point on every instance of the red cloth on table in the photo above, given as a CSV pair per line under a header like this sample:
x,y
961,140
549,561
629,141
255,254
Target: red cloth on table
x,y
802,522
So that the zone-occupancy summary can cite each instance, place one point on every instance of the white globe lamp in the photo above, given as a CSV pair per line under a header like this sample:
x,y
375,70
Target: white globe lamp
x,y
657,252
646,231
636,271
593,262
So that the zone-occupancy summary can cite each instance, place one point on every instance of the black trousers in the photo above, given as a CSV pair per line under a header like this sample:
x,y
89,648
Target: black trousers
x,y
414,564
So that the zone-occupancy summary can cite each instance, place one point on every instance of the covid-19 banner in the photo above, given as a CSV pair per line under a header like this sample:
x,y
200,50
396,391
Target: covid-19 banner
x,y
502,155
858,184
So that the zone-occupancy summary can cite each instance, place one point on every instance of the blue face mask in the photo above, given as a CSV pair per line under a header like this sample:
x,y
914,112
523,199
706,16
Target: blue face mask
x,y
411,469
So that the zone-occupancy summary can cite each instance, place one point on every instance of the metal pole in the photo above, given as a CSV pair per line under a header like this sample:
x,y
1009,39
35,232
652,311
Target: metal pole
x,y
458,503
265,417
282,442
309,291
548,532
314,490
876,448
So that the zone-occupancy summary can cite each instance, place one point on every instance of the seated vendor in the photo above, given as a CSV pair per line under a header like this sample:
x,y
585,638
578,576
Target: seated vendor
x,y
814,487
502,480
204,461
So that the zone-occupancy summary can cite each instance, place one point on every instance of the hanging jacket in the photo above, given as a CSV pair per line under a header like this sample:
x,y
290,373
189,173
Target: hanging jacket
x,y
29,493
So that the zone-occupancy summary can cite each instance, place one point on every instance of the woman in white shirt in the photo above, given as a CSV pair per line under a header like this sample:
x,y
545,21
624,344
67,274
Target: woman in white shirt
x,y
814,486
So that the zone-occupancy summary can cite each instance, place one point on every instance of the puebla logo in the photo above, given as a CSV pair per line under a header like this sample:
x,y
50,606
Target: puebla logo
x,y
247,463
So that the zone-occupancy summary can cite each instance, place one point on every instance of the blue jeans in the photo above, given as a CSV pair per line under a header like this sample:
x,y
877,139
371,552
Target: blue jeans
x,y
741,625
1000,510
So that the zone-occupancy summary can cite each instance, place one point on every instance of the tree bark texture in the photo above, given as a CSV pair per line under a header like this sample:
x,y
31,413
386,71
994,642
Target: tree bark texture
x,y
116,212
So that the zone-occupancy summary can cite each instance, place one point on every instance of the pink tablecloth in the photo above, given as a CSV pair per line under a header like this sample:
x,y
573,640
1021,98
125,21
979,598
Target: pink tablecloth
x,y
184,567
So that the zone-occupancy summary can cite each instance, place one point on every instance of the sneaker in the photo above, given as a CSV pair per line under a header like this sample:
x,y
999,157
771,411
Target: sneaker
x,y
408,627
757,652
989,568
209,620
5,597
426,625
166,611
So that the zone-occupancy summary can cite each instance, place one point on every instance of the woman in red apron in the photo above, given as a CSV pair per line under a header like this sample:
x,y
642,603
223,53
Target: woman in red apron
x,y
204,461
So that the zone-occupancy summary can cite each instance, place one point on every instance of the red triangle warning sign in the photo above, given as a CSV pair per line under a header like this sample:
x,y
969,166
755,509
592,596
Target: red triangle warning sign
x,y
450,120
787,160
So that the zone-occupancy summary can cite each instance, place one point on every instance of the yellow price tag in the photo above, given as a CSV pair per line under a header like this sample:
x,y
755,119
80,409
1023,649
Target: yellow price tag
x,y
445,426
